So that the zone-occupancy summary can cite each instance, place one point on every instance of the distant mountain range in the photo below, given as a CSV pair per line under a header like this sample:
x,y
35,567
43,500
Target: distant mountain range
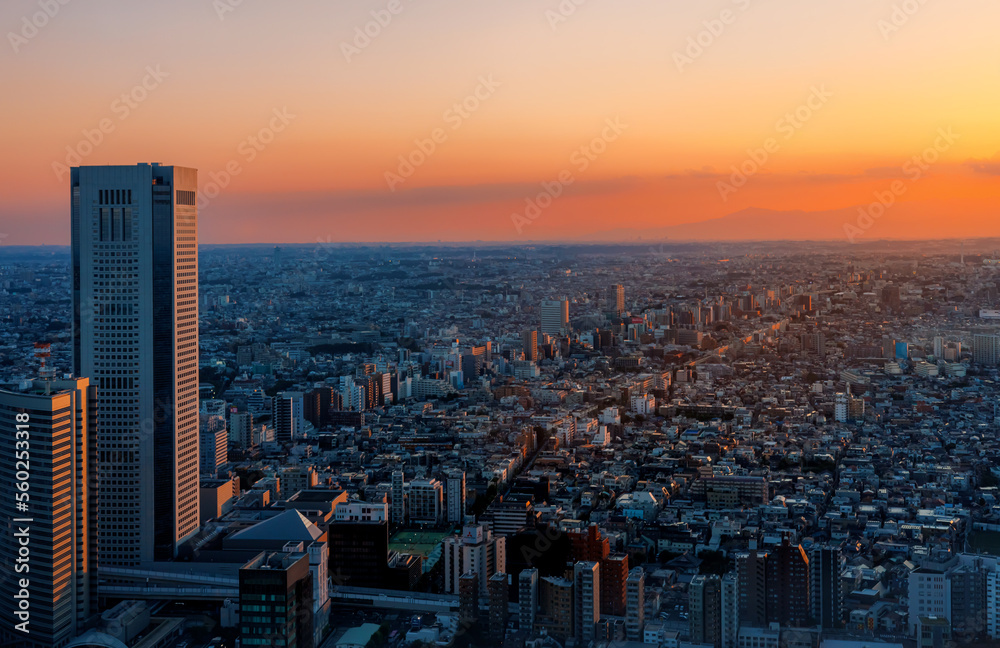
x,y
754,224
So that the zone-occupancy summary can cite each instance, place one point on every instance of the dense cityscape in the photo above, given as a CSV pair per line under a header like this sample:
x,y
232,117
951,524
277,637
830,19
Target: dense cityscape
x,y
754,445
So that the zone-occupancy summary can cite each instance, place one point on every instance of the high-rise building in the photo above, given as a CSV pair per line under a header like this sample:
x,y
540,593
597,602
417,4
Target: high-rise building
x,y
614,573
425,501
455,496
788,585
705,604
555,607
555,316
617,301
586,600
826,597
241,429
288,416
476,551
891,296
49,427
359,544
986,349
751,571
499,595
398,498
529,340
635,604
276,601
468,598
213,445
135,334
730,611
527,599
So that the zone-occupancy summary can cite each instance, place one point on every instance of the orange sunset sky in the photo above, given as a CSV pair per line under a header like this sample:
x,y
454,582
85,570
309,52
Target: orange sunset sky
x,y
838,96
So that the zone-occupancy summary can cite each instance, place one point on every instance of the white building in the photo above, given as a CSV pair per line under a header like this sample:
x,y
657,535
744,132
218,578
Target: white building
x,y
586,600
478,551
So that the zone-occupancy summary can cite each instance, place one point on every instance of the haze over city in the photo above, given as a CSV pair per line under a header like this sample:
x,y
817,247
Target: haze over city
x,y
697,87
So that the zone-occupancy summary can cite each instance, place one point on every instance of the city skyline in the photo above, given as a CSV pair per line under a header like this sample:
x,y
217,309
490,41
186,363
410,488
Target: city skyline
x,y
398,324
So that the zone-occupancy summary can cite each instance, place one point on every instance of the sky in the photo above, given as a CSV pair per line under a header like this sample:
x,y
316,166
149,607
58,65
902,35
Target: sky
x,y
424,120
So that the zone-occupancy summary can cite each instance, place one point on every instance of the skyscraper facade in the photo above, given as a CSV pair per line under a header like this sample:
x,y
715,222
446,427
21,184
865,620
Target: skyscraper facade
x,y
555,316
618,298
135,334
47,444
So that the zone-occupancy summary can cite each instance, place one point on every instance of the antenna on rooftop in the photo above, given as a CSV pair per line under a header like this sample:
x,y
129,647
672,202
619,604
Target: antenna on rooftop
x,y
42,352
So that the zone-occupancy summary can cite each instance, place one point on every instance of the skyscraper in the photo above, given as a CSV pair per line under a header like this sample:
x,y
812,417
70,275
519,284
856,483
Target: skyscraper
x,y
705,601
618,298
788,585
455,496
635,619
135,334
288,416
48,427
527,599
827,598
555,316
398,498
986,349
529,340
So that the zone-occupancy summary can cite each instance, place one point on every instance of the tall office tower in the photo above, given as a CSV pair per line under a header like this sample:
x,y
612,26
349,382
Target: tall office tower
x,y
241,429
527,599
498,587
788,585
986,349
730,611
635,604
476,551
398,498
135,334
938,347
456,496
288,416
555,316
751,569
705,602
826,597
529,340
586,600
49,427
618,298
276,600
425,501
